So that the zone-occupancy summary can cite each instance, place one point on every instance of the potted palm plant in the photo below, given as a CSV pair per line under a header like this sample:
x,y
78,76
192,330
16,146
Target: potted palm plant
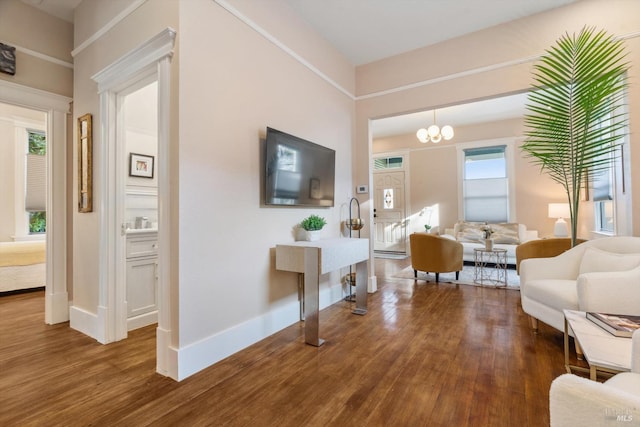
x,y
574,121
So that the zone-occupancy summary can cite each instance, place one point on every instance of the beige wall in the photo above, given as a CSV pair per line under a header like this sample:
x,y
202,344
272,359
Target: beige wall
x,y
29,29
229,84
489,63
230,93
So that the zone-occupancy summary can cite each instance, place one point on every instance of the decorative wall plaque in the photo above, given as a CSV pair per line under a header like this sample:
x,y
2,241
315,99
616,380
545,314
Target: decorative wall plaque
x,y
7,59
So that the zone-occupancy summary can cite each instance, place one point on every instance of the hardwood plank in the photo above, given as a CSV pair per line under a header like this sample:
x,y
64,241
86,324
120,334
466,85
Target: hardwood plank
x,y
425,354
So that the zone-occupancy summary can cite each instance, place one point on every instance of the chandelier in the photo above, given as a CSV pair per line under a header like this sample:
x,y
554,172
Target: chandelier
x,y
434,133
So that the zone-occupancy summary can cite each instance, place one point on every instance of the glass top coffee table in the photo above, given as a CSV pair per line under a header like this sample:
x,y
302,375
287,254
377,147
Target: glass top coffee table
x,y
603,351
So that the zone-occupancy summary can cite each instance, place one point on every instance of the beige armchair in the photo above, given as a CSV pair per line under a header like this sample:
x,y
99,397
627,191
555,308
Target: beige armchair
x,y
543,248
435,254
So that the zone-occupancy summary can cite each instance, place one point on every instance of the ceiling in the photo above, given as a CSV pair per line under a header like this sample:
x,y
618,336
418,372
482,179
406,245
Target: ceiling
x,y
62,9
368,30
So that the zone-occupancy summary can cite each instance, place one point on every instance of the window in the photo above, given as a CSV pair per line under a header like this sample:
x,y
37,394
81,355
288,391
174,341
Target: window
x,y
388,163
603,191
36,182
485,187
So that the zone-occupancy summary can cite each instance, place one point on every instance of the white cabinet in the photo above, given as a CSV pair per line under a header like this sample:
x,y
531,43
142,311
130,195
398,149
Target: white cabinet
x,y
142,278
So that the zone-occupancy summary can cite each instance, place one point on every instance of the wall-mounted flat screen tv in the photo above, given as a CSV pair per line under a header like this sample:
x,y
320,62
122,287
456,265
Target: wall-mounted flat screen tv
x,y
298,172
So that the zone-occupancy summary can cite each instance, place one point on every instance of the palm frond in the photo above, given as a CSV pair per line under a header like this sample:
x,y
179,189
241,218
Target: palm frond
x,y
574,122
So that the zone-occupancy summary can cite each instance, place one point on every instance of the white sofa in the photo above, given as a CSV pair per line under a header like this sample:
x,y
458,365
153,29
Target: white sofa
x,y
470,235
597,275
577,401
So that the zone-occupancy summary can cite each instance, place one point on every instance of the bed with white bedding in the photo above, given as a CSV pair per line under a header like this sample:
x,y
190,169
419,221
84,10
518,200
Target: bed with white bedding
x,y
22,265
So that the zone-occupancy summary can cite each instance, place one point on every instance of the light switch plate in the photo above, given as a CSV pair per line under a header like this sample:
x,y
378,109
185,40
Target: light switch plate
x,y
362,189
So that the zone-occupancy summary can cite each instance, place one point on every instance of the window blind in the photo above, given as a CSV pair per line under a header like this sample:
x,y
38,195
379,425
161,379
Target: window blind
x,y
36,188
486,200
485,187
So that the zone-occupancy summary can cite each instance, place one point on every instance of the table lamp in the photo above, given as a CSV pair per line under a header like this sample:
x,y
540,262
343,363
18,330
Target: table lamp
x,y
560,211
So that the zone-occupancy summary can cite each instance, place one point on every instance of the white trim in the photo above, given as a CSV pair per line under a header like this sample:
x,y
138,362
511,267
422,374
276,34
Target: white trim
x,y
83,321
150,59
102,31
447,77
166,363
286,49
57,306
56,293
39,55
148,53
141,191
204,353
29,97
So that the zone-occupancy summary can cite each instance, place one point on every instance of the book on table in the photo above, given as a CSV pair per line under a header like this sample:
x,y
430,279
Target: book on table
x,y
620,325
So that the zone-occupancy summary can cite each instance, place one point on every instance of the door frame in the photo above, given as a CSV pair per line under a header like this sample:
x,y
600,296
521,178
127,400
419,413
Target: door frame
x,y
57,109
152,58
405,154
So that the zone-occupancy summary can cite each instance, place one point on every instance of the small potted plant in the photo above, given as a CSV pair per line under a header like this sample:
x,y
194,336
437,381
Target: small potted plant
x,y
312,225
427,228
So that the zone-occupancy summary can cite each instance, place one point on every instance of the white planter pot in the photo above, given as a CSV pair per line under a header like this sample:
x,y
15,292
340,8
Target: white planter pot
x,y
313,235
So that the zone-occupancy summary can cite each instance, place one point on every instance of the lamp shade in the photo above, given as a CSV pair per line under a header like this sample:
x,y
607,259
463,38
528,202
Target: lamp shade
x,y
559,210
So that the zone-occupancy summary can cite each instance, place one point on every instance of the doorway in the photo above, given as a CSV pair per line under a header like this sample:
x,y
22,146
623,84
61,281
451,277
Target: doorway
x,y
151,61
23,198
137,126
56,109
389,213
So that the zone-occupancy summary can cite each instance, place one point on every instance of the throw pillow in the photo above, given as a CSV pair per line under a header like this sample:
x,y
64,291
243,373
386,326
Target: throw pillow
x,y
470,232
598,260
506,233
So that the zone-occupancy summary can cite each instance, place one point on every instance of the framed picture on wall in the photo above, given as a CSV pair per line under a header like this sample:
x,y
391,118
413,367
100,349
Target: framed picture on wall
x,y
141,165
85,164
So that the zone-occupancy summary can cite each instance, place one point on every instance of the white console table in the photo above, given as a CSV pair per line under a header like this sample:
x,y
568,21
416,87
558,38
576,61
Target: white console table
x,y
320,257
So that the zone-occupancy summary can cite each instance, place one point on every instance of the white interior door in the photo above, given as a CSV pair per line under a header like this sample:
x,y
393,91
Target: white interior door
x,y
389,222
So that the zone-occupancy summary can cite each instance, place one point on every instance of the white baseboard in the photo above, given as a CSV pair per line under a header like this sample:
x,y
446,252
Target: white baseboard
x,y
166,355
204,353
83,321
56,307
372,286
142,320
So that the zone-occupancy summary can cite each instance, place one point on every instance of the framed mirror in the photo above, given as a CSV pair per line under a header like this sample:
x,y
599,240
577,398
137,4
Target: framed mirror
x,y
85,164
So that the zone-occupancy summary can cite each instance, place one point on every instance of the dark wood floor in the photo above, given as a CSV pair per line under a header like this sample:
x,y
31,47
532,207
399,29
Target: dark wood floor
x,y
424,355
